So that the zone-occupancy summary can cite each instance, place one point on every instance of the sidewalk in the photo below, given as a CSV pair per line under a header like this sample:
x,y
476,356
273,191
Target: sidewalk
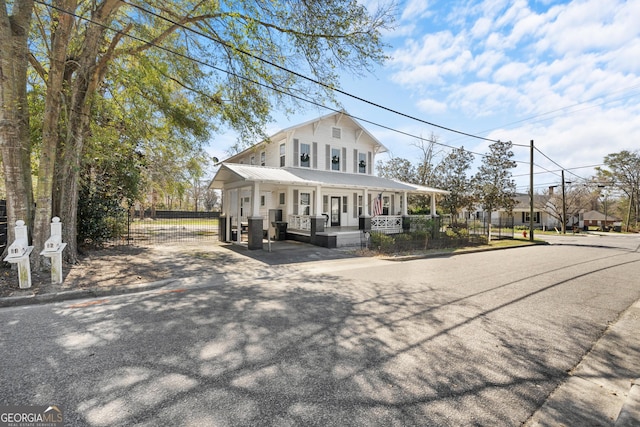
x,y
603,390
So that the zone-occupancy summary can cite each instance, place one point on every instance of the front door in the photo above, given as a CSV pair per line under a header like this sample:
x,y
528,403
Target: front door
x,y
335,211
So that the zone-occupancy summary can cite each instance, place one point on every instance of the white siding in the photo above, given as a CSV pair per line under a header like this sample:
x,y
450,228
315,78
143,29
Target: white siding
x,y
320,135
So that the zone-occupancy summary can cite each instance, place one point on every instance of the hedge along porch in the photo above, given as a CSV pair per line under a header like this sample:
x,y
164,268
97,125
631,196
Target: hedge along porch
x,y
312,202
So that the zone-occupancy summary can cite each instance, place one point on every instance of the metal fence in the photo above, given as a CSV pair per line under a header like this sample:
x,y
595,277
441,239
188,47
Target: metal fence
x,y
443,232
156,227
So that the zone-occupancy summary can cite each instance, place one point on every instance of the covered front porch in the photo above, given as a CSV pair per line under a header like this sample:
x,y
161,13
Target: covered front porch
x,y
324,208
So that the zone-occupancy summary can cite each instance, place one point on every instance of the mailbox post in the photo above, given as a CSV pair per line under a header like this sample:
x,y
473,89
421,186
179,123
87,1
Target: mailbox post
x,y
53,248
19,252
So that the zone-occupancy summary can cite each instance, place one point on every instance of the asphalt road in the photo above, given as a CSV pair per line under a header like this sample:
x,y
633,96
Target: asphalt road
x,y
467,340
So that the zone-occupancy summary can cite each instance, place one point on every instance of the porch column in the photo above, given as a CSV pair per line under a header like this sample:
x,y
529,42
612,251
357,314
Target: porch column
x,y
224,218
405,203
365,202
433,205
255,199
289,203
238,216
317,210
406,221
254,221
317,220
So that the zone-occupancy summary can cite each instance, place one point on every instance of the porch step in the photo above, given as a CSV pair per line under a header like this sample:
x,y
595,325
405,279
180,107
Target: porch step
x,y
349,239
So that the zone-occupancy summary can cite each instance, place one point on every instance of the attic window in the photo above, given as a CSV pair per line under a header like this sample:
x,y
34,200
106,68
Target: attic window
x,y
336,132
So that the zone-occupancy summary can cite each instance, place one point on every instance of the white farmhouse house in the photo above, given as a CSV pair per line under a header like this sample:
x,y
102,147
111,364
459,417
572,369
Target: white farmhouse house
x,y
316,180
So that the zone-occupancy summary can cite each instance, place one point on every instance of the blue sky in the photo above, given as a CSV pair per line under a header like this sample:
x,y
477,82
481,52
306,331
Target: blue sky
x,y
563,73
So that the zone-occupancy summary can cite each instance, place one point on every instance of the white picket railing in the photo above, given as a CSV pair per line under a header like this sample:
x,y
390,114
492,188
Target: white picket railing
x,y
299,222
387,224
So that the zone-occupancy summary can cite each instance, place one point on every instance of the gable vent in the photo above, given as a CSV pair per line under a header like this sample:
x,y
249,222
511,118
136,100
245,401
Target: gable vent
x,y
336,133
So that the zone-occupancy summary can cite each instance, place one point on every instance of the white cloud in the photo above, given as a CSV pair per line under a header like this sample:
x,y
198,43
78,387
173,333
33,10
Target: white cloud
x,y
565,73
481,28
415,9
511,72
431,106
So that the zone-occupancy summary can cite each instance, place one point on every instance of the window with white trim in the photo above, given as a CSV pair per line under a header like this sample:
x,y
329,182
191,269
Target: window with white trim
x,y
305,155
362,162
305,204
335,159
282,155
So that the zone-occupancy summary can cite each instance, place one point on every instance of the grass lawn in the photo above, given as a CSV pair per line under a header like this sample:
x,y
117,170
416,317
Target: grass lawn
x,y
202,222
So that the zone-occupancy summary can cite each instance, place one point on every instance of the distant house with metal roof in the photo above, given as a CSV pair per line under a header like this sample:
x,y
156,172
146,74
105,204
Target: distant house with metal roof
x,y
316,179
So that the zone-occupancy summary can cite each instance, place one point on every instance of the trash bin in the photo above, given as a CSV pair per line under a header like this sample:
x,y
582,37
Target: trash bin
x,y
281,230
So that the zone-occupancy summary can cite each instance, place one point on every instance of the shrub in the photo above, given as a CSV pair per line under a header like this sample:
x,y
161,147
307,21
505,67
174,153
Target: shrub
x,y
403,242
382,242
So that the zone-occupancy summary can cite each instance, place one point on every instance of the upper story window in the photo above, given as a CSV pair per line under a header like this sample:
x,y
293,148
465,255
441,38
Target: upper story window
x,y
282,155
362,162
305,155
336,132
335,159
263,159
253,160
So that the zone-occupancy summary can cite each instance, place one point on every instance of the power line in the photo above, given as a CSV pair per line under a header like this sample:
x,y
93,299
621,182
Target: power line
x,y
331,88
187,57
274,88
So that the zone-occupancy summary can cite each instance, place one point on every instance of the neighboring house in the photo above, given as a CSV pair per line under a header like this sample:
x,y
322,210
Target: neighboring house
x,y
597,219
541,217
520,214
317,177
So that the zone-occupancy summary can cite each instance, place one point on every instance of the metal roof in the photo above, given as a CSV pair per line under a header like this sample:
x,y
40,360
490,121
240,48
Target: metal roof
x,y
234,172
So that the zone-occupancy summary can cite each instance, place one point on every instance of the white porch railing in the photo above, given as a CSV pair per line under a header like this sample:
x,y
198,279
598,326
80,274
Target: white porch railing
x,y
299,222
387,224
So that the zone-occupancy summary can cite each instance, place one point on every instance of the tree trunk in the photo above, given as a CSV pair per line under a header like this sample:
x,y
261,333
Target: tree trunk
x,y
81,83
50,135
15,143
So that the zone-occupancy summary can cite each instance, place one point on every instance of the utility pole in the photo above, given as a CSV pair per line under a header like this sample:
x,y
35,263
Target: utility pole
x,y
531,194
564,208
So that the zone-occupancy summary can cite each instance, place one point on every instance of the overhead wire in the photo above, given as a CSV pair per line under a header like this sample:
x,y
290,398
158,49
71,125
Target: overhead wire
x,y
302,76
201,62
282,91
